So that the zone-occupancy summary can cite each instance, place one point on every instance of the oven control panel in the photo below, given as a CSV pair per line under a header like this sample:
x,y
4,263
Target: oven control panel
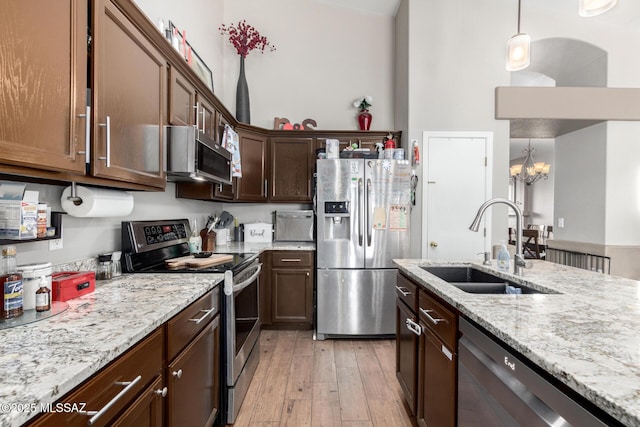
x,y
144,236
164,233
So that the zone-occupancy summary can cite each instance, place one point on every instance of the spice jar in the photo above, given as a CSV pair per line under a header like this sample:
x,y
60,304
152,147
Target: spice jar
x,y
43,297
33,276
104,267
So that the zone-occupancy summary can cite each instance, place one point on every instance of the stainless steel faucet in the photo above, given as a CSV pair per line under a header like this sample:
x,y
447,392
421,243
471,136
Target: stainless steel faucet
x,y
518,259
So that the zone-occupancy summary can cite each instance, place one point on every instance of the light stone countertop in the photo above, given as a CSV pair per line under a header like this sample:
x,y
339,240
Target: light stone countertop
x,y
587,336
42,361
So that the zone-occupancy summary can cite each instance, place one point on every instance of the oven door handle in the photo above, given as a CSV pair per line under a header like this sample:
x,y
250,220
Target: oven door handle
x,y
237,287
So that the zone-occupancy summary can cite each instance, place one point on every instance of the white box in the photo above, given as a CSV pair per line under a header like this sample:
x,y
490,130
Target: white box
x,y
258,232
18,211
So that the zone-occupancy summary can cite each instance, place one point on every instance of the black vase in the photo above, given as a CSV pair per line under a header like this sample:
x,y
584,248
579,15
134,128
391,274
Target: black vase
x,y
242,96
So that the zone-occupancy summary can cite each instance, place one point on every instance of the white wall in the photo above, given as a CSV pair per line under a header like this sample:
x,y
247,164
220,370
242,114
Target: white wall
x,y
580,176
326,57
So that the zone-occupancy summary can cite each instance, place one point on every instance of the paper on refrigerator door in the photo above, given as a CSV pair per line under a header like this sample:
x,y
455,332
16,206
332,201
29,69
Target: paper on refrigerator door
x,y
379,220
398,218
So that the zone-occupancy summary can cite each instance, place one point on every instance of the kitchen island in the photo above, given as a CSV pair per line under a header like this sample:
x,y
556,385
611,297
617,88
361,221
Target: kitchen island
x,y
585,335
42,361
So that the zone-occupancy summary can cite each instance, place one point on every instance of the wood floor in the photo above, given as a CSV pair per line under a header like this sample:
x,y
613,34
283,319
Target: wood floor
x,y
302,382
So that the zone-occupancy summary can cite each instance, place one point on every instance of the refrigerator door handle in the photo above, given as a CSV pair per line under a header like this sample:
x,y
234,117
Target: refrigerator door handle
x,y
360,213
369,217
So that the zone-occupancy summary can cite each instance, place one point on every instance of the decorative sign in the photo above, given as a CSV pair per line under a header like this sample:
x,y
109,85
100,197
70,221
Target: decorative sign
x,y
285,124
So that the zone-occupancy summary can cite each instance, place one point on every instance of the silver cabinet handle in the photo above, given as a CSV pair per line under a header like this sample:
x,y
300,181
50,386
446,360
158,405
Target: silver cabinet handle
x,y
291,260
87,134
107,125
204,121
220,188
404,291
433,320
161,392
414,327
95,415
177,374
206,313
266,193
197,107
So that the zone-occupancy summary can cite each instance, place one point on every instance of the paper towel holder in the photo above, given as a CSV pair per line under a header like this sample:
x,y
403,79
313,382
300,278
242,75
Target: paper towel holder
x,y
73,197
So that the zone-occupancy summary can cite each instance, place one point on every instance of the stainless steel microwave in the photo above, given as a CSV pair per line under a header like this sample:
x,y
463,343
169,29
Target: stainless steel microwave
x,y
192,155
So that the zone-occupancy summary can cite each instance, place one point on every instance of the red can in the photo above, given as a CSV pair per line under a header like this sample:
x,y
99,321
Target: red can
x,y
389,143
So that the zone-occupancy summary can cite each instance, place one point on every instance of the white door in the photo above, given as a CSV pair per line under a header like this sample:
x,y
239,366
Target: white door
x,y
457,173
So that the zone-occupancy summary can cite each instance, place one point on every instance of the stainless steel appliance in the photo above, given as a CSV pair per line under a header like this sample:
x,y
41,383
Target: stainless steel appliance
x,y
192,155
146,245
497,388
363,209
294,226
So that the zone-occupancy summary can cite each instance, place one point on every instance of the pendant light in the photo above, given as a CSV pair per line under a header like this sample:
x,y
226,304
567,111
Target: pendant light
x,y
518,49
588,8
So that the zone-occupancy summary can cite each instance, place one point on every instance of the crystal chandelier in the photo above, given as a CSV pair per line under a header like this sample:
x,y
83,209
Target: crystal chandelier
x,y
530,171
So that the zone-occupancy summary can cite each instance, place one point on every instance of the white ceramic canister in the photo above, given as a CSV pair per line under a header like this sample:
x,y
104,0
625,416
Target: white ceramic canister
x,y
33,275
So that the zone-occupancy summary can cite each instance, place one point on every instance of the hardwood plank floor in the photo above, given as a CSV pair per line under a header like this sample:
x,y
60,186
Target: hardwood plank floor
x,y
302,382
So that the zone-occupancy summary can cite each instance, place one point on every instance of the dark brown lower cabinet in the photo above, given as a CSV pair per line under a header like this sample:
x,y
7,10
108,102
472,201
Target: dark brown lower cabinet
x,y
287,295
146,411
436,382
407,353
192,380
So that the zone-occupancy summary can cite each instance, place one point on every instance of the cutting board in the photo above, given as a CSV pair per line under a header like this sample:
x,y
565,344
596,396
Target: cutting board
x,y
192,262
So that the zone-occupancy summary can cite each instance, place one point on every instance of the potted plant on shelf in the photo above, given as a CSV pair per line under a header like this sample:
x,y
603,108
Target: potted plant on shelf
x,y
244,38
364,117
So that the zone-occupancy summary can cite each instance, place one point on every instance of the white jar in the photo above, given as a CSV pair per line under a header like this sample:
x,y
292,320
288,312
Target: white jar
x,y
33,277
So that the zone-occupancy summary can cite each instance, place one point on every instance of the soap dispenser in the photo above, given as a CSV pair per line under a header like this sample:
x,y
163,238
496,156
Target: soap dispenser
x,y
504,259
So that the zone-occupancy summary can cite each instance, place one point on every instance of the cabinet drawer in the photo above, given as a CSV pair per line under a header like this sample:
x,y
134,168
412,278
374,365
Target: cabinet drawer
x,y
407,291
292,259
442,321
143,361
184,326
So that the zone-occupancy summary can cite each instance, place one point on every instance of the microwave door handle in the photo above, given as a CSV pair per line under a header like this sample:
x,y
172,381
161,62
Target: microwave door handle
x,y
240,286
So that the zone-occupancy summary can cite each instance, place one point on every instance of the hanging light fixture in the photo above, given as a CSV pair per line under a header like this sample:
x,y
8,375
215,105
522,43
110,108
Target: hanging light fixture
x,y
529,171
518,49
588,8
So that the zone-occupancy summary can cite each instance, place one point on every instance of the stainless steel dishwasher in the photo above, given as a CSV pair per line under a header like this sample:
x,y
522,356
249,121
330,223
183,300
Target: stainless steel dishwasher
x,y
496,388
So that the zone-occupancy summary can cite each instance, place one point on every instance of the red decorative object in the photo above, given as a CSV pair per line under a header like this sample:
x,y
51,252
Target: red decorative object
x,y
364,120
245,38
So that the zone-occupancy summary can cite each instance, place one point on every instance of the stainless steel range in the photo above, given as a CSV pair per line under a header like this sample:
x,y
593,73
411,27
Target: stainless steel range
x,y
146,245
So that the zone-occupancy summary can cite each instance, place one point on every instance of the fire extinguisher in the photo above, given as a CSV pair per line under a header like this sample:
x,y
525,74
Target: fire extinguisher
x,y
416,154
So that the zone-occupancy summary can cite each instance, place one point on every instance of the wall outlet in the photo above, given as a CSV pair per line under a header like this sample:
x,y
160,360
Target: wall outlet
x,y
55,244
560,222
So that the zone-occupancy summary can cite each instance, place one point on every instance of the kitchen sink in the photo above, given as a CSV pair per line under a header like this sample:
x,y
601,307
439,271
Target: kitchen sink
x,y
473,281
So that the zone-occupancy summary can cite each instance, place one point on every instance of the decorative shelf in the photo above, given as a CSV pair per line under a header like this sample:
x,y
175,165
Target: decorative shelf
x,y
56,221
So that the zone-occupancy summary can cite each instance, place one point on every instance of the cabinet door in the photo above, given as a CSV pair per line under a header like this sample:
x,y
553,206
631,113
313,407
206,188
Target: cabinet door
x,y
252,187
43,81
407,333
129,96
193,397
436,382
291,296
146,411
206,119
182,100
292,164
264,289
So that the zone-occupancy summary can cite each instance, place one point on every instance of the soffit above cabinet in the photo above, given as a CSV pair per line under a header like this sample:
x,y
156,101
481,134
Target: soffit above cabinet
x,y
547,112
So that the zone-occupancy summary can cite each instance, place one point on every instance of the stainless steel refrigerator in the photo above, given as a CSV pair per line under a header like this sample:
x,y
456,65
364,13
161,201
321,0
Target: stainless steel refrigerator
x,y
362,209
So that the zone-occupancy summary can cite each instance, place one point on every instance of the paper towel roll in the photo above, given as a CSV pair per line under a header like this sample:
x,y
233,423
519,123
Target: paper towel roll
x,y
97,202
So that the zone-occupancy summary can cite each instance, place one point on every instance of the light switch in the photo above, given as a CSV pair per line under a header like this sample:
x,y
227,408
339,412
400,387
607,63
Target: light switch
x,y
560,222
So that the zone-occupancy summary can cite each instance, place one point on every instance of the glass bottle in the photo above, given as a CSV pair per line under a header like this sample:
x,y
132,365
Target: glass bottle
x,y
43,297
10,284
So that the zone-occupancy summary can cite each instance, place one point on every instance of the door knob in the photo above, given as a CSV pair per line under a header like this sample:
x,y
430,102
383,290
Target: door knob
x,y
433,244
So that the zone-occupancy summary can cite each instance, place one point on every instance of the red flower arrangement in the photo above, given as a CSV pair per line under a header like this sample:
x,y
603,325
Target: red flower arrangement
x,y
245,38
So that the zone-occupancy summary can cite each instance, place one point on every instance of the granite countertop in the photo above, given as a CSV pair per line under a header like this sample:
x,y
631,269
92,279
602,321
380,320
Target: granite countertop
x,y
42,361
586,335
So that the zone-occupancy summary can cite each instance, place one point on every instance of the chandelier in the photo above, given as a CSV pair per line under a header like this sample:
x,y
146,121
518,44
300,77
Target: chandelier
x,y
530,171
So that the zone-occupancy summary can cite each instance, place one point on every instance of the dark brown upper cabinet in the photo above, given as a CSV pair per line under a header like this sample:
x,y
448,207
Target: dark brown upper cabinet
x,y
252,187
291,169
